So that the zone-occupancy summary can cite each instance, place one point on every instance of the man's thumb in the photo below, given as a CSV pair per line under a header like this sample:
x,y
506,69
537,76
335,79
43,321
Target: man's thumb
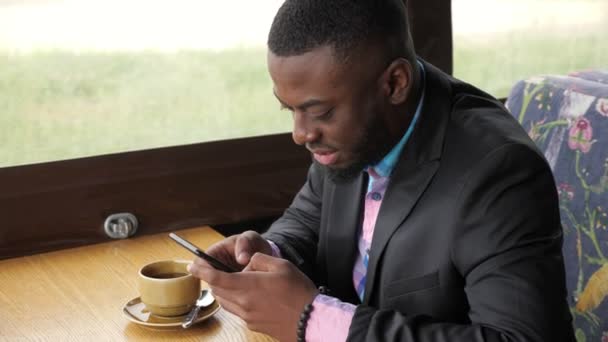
x,y
242,249
262,262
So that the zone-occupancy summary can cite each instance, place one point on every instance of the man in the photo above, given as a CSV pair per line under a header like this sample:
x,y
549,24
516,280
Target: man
x,y
427,212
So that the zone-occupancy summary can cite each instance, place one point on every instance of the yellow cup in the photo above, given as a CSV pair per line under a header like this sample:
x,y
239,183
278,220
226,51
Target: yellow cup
x,y
167,288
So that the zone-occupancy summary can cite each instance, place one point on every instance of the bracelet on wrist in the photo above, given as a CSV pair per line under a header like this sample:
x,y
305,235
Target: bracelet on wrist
x,y
305,315
323,290
303,322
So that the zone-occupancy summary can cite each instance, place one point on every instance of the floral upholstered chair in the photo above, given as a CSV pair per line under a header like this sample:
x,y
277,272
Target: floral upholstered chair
x,y
567,117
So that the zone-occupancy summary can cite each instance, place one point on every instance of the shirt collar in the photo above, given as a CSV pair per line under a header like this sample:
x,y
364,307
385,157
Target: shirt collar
x,y
385,167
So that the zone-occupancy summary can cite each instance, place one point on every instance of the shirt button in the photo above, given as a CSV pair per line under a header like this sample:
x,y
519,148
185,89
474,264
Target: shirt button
x,y
376,196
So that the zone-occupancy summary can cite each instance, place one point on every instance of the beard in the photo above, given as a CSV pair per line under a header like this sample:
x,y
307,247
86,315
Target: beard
x,y
373,145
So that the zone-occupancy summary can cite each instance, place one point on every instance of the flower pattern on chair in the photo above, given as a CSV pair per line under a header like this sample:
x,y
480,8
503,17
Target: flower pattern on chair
x,y
567,117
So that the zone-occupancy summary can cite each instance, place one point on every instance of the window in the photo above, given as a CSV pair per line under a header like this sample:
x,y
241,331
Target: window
x,y
89,77
497,42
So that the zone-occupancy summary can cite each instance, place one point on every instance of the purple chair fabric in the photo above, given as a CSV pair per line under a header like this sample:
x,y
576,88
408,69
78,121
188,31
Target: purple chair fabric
x,y
567,117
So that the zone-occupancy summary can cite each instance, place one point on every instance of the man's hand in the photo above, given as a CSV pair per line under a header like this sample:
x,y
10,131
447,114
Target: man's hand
x,y
269,294
236,250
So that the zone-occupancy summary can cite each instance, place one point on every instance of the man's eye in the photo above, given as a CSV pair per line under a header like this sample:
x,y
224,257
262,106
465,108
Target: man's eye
x,y
324,115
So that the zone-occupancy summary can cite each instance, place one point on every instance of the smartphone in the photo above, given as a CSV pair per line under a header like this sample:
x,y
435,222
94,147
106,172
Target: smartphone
x,y
218,265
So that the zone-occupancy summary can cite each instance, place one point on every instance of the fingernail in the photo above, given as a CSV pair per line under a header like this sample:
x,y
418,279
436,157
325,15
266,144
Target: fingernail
x,y
243,256
189,268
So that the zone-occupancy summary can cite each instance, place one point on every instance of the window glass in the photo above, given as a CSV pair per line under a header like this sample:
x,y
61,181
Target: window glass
x,y
89,77
497,42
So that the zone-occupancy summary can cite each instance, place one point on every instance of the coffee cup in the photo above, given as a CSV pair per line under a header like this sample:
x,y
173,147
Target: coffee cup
x,y
167,288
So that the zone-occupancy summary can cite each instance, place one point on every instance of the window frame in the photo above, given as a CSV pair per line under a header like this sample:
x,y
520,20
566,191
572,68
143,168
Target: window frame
x,y
63,204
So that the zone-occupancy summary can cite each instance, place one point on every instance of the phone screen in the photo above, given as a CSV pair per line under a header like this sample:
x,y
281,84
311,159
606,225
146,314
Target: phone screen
x,y
198,252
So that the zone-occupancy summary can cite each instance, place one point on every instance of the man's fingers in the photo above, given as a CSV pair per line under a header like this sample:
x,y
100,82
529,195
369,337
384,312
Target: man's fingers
x,y
200,263
198,268
202,270
246,245
264,263
224,251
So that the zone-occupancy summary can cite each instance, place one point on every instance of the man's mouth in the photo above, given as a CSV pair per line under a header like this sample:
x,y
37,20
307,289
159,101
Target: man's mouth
x,y
325,157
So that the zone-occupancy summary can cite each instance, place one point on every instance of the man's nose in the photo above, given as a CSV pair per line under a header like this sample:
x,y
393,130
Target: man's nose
x,y
303,130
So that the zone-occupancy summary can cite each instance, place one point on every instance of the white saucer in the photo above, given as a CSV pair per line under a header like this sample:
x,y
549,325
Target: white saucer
x,y
136,312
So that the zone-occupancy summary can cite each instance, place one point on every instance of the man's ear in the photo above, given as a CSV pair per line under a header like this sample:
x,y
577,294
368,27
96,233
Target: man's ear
x,y
399,80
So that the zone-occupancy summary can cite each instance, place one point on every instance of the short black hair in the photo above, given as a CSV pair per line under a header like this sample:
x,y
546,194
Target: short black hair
x,y
346,25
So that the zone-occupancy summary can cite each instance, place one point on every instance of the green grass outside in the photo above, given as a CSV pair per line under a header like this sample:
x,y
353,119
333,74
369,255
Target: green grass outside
x,y
495,65
59,105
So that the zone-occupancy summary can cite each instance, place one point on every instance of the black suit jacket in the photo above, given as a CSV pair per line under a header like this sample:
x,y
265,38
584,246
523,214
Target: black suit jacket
x,y
467,244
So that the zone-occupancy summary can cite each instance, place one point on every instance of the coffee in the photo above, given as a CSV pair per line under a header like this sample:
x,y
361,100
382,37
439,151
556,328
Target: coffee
x,y
167,289
168,275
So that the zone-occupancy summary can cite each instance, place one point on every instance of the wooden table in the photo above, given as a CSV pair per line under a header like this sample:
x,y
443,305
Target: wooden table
x,y
78,294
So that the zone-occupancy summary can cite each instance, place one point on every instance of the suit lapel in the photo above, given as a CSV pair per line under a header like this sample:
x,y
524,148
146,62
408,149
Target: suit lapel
x,y
399,199
342,234
417,165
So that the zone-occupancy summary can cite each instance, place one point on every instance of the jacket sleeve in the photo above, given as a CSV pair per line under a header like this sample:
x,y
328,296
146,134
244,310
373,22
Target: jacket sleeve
x,y
506,243
296,232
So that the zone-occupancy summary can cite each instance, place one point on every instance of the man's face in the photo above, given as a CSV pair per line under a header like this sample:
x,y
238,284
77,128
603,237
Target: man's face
x,y
337,109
